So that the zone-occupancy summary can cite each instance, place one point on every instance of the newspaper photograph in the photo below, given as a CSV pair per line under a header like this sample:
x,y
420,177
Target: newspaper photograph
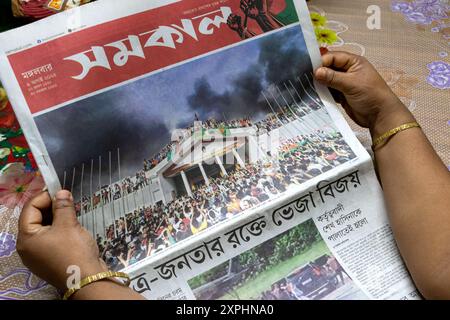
x,y
201,153
321,244
295,265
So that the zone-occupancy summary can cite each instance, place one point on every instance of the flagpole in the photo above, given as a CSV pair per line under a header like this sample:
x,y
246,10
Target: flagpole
x,y
121,191
64,180
91,203
81,196
73,180
71,186
142,193
295,116
111,203
100,190
275,114
301,119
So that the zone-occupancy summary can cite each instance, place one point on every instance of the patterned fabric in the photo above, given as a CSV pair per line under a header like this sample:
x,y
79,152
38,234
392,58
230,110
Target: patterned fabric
x,y
38,9
410,51
432,15
17,186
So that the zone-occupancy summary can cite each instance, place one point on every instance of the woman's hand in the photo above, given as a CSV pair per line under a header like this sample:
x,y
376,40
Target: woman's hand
x,y
416,183
363,93
48,250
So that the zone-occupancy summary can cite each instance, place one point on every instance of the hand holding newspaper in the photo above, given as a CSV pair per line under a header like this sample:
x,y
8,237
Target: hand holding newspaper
x,y
202,155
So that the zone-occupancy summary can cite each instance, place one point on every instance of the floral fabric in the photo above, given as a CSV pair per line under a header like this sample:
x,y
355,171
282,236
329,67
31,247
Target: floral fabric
x,y
410,51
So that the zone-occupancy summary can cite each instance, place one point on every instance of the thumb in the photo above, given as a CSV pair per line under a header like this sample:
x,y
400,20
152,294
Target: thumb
x,y
333,79
64,209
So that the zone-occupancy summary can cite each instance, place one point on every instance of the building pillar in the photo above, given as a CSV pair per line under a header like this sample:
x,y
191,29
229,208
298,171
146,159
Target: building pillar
x,y
162,190
205,177
222,168
255,143
238,158
186,183
150,192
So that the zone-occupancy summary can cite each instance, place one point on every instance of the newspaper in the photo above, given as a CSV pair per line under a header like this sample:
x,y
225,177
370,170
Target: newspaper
x,y
201,153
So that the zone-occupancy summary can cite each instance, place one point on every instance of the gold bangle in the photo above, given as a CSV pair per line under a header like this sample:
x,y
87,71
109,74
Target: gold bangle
x,y
94,278
393,132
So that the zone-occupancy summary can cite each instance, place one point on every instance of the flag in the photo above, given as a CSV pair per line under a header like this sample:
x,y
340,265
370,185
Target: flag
x,y
225,131
284,13
170,155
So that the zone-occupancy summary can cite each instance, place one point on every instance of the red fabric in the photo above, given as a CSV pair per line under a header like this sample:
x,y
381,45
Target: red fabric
x,y
35,8
7,117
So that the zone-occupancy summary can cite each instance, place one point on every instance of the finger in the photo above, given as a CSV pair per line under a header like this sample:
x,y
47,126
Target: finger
x,y
339,60
334,79
31,217
64,209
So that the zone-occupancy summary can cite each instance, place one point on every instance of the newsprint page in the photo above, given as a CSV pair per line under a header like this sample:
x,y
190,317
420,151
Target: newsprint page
x,y
202,155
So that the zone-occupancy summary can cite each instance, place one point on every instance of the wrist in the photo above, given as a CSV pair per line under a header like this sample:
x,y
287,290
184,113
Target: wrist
x,y
97,289
85,270
390,117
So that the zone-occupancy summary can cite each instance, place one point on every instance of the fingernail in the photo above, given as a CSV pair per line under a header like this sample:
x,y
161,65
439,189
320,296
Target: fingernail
x,y
64,195
321,73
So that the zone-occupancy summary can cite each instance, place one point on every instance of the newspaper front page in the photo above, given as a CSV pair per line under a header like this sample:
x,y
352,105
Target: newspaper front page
x,y
201,153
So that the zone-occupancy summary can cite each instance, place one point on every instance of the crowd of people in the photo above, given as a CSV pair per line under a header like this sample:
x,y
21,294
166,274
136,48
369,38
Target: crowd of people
x,y
112,192
286,115
271,122
230,124
189,131
150,229
149,164
153,228
132,184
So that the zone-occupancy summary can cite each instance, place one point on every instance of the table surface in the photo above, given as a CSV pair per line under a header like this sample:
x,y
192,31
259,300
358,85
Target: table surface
x,y
410,51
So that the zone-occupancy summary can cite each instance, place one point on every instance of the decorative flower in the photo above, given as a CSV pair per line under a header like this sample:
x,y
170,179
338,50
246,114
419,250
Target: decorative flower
x,y
439,76
326,36
440,15
401,6
422,12
26,286
7,244
15,185
440,81
432,7
3,96
318,20
439,67
418,18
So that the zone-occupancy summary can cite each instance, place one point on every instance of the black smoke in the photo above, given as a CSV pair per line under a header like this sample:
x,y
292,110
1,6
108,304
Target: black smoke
x,y
241,100
280,59
92,128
